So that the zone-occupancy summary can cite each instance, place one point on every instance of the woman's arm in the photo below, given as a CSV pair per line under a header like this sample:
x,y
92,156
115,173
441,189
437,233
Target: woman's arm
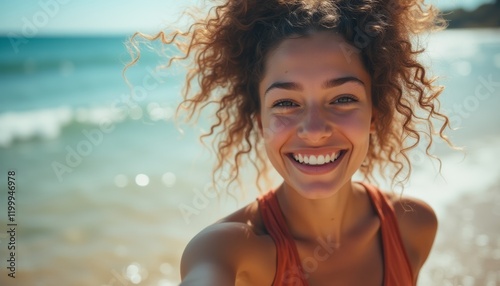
x,y
212,257
208,274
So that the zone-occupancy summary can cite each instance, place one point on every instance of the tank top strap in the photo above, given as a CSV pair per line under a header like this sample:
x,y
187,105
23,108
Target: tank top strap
x,y
397,269
288,266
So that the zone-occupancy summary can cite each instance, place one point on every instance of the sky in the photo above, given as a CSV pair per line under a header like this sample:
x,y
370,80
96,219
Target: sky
x,y
93,17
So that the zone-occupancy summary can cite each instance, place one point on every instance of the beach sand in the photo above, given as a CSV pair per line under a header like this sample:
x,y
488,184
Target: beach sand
x,y
467,247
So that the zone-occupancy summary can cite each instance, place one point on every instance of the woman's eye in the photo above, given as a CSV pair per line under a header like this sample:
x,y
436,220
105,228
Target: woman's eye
x,y
344,100
284,104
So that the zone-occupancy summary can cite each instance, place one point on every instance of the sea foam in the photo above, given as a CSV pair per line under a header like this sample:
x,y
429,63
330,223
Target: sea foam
x,y
48,124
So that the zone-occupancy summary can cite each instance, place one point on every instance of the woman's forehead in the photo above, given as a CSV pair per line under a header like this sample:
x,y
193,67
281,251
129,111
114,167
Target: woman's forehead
x,y
318,52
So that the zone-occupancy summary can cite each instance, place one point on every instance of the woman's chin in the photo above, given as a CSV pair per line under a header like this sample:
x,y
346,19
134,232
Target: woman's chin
x,y
315,191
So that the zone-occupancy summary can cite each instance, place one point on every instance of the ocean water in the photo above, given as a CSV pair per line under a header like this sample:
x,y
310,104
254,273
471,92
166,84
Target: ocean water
x,y
110,189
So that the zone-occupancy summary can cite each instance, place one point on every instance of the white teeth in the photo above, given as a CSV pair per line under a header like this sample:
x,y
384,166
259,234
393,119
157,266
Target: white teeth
x,y
327,158
313,160
316,160
321,160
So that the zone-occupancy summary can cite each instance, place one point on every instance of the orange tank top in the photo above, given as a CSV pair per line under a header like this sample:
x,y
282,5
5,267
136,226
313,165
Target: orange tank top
x,y
397,270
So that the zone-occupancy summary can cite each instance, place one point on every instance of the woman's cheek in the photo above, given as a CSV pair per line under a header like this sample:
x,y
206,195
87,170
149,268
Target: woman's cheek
x,y
355,125
277,126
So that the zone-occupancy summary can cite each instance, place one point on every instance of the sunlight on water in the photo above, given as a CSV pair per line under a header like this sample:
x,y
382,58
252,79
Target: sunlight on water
x,y
142,180
168,179
121,181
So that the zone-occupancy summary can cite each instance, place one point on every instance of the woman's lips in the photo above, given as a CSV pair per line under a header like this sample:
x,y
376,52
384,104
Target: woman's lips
x,y
316,159
315,168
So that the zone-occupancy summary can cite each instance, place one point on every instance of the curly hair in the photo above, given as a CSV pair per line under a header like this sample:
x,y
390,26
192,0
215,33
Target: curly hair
x,y
229,48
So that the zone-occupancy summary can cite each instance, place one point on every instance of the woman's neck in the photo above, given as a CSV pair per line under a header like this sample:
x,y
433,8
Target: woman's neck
x,y
310,220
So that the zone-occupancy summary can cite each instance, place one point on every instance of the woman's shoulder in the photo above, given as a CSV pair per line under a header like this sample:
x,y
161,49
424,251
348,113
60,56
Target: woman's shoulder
x,y
227,245
416,217
413,214
227,232
212,255
417,224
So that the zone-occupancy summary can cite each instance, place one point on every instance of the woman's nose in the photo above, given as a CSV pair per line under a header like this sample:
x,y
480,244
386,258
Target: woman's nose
x,y
314,126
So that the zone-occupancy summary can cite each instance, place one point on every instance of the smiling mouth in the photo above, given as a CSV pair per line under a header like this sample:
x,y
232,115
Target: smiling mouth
x,y
317,160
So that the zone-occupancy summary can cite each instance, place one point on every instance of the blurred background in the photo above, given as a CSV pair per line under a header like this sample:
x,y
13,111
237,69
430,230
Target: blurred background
x,y
110,189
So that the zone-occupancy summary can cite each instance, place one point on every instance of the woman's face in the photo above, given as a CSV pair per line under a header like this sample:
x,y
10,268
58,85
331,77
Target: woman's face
x,y
316,112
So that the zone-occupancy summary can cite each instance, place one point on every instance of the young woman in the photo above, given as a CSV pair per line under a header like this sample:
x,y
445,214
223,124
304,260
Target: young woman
x,y
329,88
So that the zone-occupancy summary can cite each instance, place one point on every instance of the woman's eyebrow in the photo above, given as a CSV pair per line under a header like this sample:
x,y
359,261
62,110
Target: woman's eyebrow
x,y
284,85
327,84
340,81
